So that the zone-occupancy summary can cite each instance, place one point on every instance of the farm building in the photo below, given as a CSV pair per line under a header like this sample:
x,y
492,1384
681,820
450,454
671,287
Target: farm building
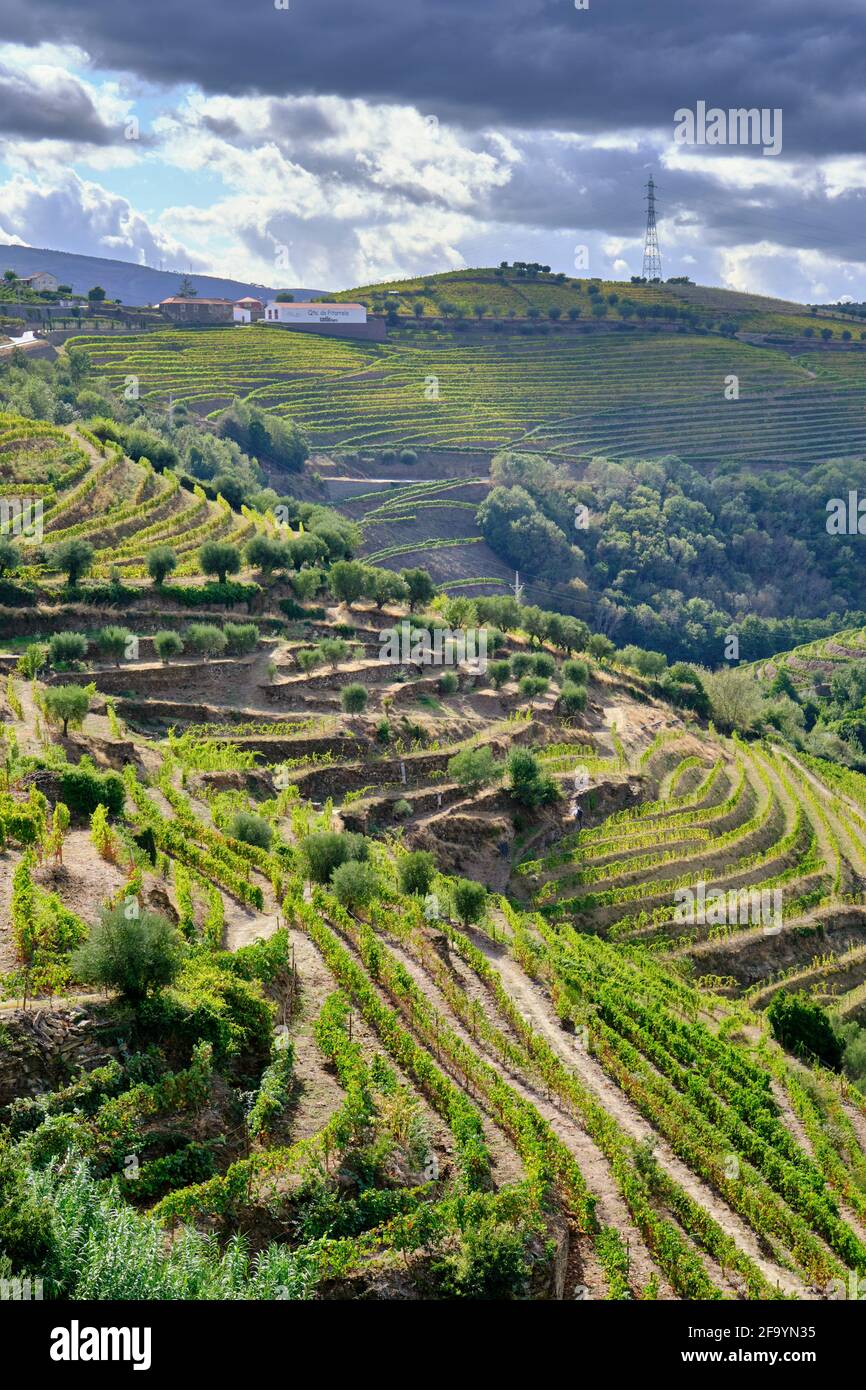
x,y
315,313
188,309
248,309
40,281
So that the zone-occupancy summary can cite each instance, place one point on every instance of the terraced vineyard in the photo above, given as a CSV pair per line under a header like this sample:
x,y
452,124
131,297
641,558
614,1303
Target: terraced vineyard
x,y
379,1078
626,394
90,491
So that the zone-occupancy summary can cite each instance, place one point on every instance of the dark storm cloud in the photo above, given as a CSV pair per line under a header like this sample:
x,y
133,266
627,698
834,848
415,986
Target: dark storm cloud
x,y
510,62
59,110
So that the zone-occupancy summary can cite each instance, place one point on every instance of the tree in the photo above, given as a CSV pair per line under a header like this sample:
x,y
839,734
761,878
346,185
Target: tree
x,y
96,295
251,829
10,555
134,955
544,665
735,698
67,704
346,580
353,698
167,644
576,672
206,639
72,558
473,768
326,850
161,561
384,586
528,785
521,665
532,686
419,585
186,289
803,1027
470,900
266,554
600,646
67,649
416,872
355,883
219,558
114,642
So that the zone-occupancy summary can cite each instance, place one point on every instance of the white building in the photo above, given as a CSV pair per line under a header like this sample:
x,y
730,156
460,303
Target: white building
x,y
40,280
314,313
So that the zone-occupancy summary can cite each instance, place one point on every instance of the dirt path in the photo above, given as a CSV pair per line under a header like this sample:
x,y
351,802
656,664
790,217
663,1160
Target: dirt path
x,y
536,1008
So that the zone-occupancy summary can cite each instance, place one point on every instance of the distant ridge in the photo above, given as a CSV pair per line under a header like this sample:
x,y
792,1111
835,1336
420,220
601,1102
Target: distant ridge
x,y
130,283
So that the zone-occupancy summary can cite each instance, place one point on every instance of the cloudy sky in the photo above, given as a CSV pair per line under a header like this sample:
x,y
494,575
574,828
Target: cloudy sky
x,y
335,142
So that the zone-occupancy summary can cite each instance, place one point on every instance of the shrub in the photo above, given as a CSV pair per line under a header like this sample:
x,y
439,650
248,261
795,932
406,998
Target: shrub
x,y
448,683
355,883
576,672
326,850
472,768
83,789
499,673
205,639
167,644
803,1027
27,1232
408,456
67,648
533,686
572,699
251,829
161,561
416,872
10,555
219,558
383,732
528,785
469,899
72,558
32,660
67,704
353,698
241,637
136,956
543,665
113,642
402,808
266,554
521,665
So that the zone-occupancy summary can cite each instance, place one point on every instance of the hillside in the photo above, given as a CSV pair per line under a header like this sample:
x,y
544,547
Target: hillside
x,y
407,1027
123,280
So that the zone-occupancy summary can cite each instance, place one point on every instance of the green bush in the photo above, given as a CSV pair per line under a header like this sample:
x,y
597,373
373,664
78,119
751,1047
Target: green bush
x,y
576,672
66,649
135,956
353,698
473,768
572,699
251,829
326,850
416,872
448,683
402,808
113,642
803,1027
72,558
470,900
241,638
499,673
355,883
531,687
521,665
205,639
82,789
528,785
543,665
219,558
167,644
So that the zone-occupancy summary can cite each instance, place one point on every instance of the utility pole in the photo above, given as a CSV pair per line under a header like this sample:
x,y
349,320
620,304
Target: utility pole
x,y
652,259
518,587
